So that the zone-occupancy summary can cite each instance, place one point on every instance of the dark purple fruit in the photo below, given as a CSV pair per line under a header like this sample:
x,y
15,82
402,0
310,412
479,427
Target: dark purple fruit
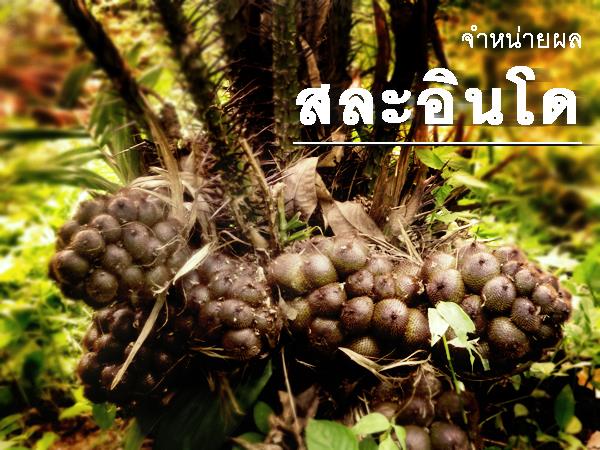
x,y
108,226
359,283
390,318
526,315
68,230
379,264
236,314
416,411
123,208
437,262
151,210
470,248
69,266
242,344
445,286
509,253
101,287
417,334
478,269
445,436
543,296
507,339
88,243
210,317
287,271
348,255
384,286
525,281
365,346
407,287
136,237
319,270
122,325
88,368
327,300
89,209
356,315
108,349
416,438
132,278
116,259
473,306
301,317
325,335
498,294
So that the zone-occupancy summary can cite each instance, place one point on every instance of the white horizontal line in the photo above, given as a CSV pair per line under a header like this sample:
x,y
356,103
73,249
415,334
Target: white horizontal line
x,y
446,144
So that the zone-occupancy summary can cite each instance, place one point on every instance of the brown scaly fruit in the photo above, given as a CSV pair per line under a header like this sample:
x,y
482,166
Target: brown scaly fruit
x,y
517,308
431,412
121,247
154,368
236,315
358,300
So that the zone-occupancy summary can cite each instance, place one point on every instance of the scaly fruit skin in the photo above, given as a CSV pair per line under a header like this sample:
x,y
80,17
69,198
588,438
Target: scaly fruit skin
x,y
429,409
122,247
154,368
363,304
235,312
517,309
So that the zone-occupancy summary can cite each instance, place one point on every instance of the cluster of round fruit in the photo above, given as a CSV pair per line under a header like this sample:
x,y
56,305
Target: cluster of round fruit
x,y
516,307
236,315
341,294
433,418
118,248
110,339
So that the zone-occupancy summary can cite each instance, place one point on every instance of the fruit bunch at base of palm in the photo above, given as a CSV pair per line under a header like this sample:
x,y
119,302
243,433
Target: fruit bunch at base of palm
x,y
518,309
341,293
119,248
433,415
158,365
236,317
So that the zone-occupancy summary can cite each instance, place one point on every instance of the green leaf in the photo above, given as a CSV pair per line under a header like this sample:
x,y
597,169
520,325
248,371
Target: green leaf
x,y
328,435
262,412
76,410
564,407
574,426
588,272
46,441
520,410
542,370
401,435
440,194
429,158
371,424
464,179
456,317
368,444
437,325
388,444
134,436
104,415
71,89
151,77
200,418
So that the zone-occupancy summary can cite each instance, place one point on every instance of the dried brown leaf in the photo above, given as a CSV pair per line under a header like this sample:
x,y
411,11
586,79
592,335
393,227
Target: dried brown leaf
x,y
350,218
300,191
